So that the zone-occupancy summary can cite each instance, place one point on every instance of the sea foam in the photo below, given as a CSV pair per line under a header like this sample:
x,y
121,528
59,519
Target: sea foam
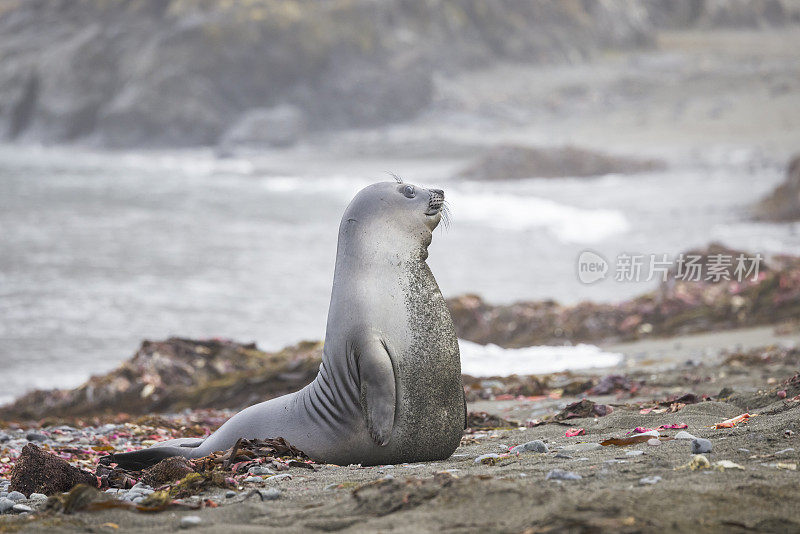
x,y
491,360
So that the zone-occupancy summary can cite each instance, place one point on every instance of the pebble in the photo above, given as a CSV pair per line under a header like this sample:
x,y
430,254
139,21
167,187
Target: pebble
x,y
260,470
700,446
634,453
684,435
35,436
190,521
655,442
230,494
271,494
649,480
16,496
483,457
4,437
582,447
560,474
280,477
253,479
22,508
38,497
536,445
6,505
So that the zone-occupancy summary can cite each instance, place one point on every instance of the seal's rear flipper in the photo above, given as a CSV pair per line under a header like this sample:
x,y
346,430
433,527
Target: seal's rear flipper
x,y
141,459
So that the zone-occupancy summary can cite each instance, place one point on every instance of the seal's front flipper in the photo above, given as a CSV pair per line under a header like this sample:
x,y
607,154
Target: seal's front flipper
x,y
377,388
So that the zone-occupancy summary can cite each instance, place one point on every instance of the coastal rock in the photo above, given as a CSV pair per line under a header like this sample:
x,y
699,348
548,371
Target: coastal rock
x,y
168,376
160,72
515,162
676,307
783,204
37,471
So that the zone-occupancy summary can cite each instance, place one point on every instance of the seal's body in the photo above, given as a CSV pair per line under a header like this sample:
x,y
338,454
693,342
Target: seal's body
x,y
389,386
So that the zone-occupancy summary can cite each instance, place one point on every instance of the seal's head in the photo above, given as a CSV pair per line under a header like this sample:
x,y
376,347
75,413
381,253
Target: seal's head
x,y
392,216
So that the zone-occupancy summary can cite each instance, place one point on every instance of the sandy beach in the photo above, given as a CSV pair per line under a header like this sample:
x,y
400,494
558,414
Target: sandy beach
x,y
748,481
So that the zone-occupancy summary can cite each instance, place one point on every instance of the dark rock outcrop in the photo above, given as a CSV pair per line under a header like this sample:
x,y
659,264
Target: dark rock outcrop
x,y
783,204
37,471
507,162
168,376
676,307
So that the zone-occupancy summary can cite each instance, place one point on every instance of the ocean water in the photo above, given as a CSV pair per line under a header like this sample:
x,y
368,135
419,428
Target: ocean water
x,y
99,251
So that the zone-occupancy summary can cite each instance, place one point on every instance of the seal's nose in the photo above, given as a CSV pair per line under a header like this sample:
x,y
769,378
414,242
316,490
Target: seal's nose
x,y
436,200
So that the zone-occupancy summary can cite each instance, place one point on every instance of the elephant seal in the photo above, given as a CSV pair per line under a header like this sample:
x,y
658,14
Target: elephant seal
x,y
389,386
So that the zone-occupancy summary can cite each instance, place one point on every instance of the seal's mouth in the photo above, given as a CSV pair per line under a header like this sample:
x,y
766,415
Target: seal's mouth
x,y
435,202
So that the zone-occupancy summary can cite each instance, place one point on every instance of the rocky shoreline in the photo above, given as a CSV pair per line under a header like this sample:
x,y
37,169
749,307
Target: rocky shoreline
x,y
716,441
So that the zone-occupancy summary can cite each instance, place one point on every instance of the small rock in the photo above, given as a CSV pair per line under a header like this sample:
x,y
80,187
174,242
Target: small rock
x,y
634,453
22,508
700,446
489,456
16,496
782,394
35,436
38,497
4,437
684,435
536,445
276,478
230,494
190,521
654,442
6,505
788,433
745,451
260,470
560,474
270,494
582,447
253,479
649,480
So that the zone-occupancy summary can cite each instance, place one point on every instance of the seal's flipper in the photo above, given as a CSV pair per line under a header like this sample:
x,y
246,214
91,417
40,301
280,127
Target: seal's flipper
x,y
377,388
141,459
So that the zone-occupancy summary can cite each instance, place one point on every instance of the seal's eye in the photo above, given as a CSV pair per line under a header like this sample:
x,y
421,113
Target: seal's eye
x,y
409,192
